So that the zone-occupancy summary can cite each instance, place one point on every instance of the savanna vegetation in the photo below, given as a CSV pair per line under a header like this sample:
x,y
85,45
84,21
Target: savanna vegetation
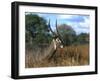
x,y
38,39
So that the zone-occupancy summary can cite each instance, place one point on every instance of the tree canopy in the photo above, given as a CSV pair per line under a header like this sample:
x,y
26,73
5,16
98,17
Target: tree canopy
x,y
83,38
36,30
67,33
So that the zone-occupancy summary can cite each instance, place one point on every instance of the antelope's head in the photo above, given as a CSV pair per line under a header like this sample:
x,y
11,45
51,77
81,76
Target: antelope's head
x,y
57,39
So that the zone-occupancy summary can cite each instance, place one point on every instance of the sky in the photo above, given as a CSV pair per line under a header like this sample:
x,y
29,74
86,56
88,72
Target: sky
x,y
80,23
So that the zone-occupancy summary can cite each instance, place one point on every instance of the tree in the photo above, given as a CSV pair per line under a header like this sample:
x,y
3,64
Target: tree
x,y
36,30
83,38
67,33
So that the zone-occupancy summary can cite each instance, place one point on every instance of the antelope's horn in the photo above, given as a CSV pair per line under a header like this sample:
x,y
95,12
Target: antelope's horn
x,y
51,29
59,36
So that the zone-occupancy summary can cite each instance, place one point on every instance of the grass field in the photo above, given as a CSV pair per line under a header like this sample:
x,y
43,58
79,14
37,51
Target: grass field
x,y
67,56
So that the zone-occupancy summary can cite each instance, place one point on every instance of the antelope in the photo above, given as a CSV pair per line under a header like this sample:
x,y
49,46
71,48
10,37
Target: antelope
x,y
57,42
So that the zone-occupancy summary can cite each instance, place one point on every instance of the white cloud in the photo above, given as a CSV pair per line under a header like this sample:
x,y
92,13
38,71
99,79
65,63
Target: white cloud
x,y
80,27
85,24
64,16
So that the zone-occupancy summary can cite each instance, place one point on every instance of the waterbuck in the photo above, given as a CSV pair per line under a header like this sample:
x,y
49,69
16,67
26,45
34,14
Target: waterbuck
x,y
57,42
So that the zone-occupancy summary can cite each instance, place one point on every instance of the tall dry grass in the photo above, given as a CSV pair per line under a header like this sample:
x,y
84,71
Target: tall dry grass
x,y
67,56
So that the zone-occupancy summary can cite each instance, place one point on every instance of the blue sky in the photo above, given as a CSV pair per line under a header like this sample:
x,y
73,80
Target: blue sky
x,y
80,23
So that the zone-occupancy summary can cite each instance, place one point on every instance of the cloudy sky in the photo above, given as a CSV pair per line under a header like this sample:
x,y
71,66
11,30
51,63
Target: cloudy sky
x,y
80,23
